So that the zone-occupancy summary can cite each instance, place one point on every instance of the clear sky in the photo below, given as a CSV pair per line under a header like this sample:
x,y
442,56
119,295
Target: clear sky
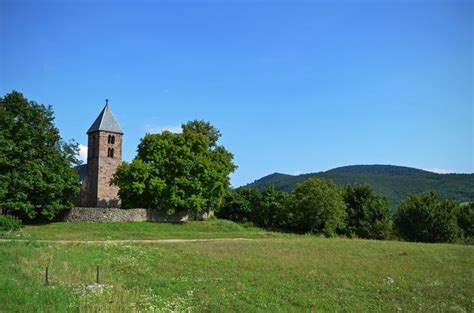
x,y
294,87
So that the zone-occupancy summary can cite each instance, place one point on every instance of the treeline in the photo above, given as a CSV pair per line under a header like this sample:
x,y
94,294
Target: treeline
x,y
190,171
319,206
396,183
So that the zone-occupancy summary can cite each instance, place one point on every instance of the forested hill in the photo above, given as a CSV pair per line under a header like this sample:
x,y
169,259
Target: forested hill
x,y
394,182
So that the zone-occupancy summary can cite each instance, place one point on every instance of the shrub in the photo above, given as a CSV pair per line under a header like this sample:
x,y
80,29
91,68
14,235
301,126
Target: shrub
x,y
9,223
368,215
426,219
318,207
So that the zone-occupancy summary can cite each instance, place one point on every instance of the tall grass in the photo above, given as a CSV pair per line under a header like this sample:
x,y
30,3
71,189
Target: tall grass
x,y
300,273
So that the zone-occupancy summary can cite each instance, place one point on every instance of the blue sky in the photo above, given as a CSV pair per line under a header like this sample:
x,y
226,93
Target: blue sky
x,y
294,87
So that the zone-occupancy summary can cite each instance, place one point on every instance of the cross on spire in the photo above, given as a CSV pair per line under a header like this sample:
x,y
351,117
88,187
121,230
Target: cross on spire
x,y
106,101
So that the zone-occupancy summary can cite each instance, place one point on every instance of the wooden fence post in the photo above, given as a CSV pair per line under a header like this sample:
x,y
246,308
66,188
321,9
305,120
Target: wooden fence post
x,y
46,278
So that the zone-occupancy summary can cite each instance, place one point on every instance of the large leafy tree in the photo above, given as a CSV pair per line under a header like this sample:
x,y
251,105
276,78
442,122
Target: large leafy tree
x,y
318,207
36,165
186,171
425,218
368,215
204,128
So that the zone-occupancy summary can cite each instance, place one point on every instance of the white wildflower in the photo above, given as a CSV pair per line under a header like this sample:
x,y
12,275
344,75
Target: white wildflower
x,y
388,280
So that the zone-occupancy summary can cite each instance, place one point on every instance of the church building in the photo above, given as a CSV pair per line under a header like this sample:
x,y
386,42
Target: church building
x,y
103,157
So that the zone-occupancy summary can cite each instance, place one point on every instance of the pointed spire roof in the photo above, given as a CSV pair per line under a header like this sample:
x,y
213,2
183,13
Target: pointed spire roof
x,y
105,122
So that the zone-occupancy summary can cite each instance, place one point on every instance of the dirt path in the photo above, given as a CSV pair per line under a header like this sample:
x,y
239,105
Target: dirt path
x,y
128,241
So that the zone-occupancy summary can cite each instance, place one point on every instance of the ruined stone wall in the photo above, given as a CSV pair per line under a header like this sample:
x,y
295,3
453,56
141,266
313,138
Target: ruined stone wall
x,y
108,215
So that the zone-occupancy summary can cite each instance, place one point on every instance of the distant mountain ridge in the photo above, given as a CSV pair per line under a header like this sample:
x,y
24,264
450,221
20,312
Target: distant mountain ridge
x,y
396,183
380,169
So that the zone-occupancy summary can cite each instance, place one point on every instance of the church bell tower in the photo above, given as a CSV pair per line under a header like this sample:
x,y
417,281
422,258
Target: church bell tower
x,y
103,158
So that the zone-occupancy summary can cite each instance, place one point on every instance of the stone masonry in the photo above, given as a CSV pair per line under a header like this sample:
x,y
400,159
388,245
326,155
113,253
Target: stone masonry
x,y
103,159
101,165
109,215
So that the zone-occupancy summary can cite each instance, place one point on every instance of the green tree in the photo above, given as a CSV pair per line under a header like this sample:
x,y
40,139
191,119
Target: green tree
x,y
177,171
36,166
425,218
368,215
238,205
269,209
466,219
318,207
204,128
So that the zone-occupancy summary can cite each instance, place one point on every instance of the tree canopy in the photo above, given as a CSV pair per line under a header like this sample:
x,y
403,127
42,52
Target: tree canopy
x,y
239,204
368,215
466,219
267,208
36,165
425,218
270,209
395,183
185,171
318,207
204,128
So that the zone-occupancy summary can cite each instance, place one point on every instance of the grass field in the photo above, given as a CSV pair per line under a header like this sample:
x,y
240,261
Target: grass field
x,y
140,230
269,273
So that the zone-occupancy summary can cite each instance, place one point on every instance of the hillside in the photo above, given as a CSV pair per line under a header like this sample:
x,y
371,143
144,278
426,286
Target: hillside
x,y
394,182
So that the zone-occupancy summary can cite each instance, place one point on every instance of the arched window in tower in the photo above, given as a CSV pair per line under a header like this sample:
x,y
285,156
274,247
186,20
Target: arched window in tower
x,y
111,140
112,152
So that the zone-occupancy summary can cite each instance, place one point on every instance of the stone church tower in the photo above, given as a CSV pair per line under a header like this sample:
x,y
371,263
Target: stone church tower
x,y
103,158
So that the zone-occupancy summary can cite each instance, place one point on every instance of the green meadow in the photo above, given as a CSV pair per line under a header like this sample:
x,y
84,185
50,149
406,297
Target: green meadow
x,y
269,272
213,228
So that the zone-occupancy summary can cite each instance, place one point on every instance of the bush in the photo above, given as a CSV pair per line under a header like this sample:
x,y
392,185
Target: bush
x,y
318,207
426,219
368,215
9,223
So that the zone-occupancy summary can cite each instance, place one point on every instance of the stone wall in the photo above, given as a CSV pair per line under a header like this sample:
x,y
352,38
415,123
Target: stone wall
x,y
108,215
